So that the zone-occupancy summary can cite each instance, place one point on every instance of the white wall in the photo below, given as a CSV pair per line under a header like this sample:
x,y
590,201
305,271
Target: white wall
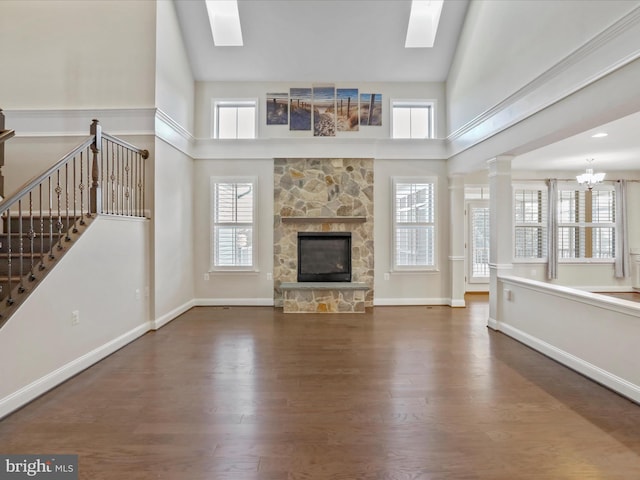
x,y
174,81
104,277
228,288
69,54
592,334
505,45
207,91
409,288
173,232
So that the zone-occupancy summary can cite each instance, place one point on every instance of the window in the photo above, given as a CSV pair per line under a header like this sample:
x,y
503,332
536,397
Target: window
x,y
414,224
234,119
586,223
530,222
233,223
412,119
480,234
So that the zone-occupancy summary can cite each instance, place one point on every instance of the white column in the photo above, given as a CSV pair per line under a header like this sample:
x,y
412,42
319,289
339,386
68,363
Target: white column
x,y
456,239
501,231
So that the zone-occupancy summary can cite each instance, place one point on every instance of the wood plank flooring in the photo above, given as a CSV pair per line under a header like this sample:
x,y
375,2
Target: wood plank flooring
x,y
396,393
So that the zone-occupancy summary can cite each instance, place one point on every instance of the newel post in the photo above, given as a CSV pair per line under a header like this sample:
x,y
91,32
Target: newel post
x,y
95,195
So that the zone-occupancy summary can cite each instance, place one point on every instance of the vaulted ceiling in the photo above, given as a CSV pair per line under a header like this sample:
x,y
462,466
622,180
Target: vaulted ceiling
x,y
321,41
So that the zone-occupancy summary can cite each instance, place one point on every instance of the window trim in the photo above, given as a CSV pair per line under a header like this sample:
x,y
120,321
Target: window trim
x,y
253,268
233,102
408,103
394,268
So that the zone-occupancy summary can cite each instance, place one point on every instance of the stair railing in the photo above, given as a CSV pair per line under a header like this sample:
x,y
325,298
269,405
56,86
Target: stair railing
x,y
102,175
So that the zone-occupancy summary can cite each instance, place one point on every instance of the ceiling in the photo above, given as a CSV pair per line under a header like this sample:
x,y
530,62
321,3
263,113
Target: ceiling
x,y
332,41
320,41
619,150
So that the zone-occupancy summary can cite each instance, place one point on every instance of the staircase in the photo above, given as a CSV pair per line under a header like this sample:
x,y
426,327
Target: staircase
x,y
42,220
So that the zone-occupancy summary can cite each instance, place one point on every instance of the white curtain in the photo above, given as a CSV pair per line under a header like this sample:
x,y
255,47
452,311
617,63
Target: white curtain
x,y
622,266
552,229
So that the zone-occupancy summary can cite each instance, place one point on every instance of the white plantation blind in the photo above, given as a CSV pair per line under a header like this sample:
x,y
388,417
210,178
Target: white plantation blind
x,y
233,223
414,224
586,223
530,222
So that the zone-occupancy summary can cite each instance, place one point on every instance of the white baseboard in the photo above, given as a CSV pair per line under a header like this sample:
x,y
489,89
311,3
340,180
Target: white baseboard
x,y
234,302
176,312
493,324
615,383
32,391
391,302
457,302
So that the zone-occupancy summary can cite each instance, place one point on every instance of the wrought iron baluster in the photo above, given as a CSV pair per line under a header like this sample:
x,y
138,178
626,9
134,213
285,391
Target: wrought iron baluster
x,y
81,187
67,238
9,262
20,248
75,200
59,224
32,235
41,267
51,256
126,193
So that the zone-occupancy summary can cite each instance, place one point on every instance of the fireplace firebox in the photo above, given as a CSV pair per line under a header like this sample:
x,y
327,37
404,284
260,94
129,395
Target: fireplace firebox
x,y
324,256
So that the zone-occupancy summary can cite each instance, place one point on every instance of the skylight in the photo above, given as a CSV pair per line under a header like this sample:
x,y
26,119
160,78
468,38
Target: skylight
x,y
423,23
225,23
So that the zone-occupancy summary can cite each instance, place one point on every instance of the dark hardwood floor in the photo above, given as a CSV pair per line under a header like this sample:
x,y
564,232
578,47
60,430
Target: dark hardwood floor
x,y
396,393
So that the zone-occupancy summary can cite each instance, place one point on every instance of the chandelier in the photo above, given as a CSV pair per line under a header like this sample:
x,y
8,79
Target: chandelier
x,y
589,179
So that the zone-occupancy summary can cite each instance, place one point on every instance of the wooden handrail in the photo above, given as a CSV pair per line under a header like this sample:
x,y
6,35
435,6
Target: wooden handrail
x,y
6,135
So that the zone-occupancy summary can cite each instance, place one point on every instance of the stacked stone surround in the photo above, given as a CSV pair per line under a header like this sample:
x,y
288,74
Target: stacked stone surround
x,y
330,189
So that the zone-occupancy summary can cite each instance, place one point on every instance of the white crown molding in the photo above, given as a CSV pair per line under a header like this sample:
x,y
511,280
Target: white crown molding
x,y
608,51
167,129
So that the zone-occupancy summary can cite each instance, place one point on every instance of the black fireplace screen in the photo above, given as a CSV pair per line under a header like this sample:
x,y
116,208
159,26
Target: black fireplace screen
x,y
324,256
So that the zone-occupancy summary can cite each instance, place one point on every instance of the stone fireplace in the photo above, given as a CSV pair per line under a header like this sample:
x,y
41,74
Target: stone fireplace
x,y
323,196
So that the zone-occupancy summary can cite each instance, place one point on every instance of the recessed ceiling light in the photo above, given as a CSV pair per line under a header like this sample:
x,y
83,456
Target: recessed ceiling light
x,y
224,19
423,23
599,135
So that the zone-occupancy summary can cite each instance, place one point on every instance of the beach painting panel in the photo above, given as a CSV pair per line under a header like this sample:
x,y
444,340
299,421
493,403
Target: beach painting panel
x,y
324,117
277,108
347,116
371,109
300,109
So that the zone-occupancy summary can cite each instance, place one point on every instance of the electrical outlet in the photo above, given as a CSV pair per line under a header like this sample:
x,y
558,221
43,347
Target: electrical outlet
x,y
386,275
137,294
269,276
206,277
75,317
